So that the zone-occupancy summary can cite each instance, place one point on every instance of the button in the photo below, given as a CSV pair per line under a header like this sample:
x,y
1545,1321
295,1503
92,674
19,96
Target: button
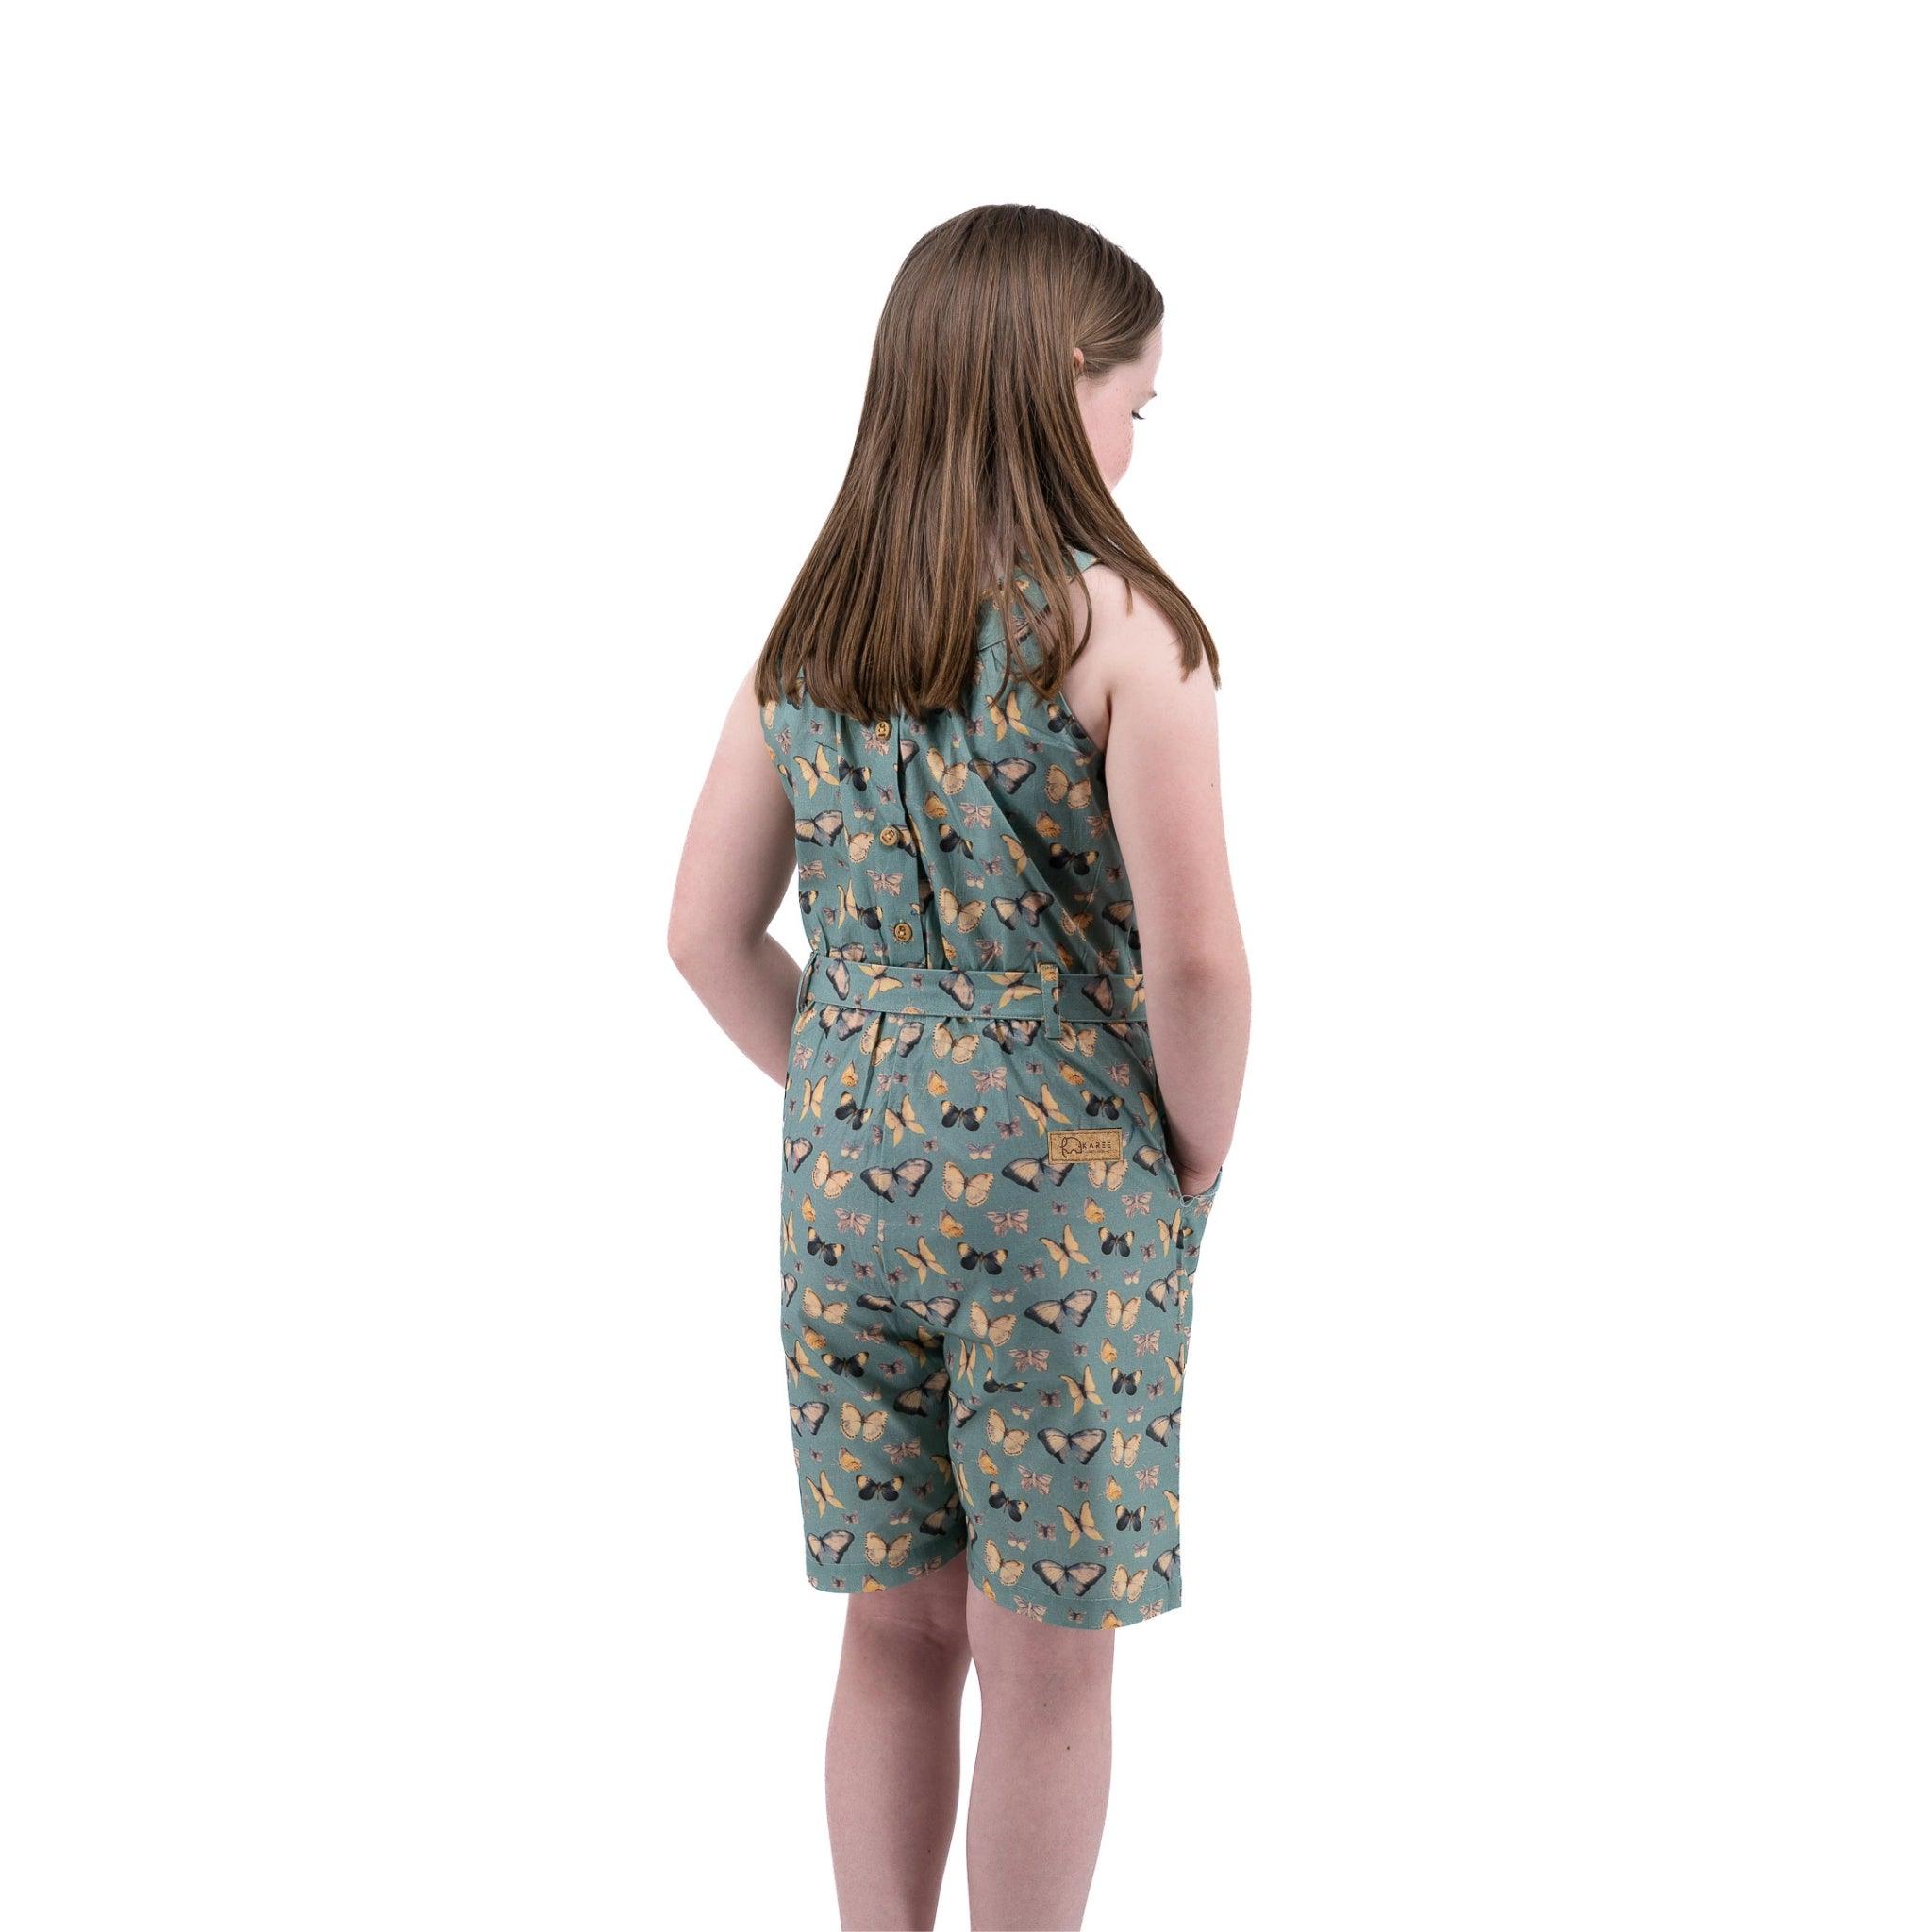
x,y
903,931
888,835
882,731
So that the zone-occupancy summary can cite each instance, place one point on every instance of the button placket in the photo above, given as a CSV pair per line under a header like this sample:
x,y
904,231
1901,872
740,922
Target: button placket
x,y
900,937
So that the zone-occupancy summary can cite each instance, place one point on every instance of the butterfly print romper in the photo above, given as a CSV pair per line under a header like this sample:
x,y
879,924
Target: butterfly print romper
x,y
987,1259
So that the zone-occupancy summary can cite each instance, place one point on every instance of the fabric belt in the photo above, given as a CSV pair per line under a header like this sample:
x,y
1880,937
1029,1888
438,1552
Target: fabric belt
x,y
949,993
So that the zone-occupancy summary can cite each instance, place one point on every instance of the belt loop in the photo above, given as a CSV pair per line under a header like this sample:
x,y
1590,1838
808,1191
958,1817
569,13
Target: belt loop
x,y
1050,980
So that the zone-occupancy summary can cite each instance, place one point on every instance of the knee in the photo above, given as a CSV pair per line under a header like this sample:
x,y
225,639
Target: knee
x,y
1037,1665
922,1625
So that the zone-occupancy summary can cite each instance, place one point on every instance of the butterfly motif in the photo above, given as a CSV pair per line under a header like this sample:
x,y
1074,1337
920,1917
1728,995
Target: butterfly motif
x,y
886,1181
1072,1578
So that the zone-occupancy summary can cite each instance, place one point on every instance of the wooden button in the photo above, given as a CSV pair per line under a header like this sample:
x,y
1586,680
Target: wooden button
x,y
901,932
882,731
888,835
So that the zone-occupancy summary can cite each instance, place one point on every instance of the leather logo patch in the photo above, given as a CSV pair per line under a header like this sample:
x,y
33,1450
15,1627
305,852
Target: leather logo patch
x,y
1084,1143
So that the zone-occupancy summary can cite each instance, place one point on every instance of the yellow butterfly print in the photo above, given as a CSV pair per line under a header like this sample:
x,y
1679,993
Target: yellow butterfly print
x,y
901,1120
830,1181
1059,788
1082,1391
857,1422
1128,1587
1010,719
958,1186
1009,1570
1010,1440
1064,1252
820,1310
878,1550
822,1492
949,779
957,1047
1082,1524
811,771
994,1330
811,1094
964,914
1046,1108
1122,1314
1127,1449
924,1261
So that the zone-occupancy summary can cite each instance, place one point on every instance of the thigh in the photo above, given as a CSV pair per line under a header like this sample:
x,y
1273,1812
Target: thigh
x,y
868,1390
1068,1353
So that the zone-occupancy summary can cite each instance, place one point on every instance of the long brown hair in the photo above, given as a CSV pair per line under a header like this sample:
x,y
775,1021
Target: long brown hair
x,y
971,470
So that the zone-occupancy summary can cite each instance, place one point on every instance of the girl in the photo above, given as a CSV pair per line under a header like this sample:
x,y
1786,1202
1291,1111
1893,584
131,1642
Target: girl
x,y
976,721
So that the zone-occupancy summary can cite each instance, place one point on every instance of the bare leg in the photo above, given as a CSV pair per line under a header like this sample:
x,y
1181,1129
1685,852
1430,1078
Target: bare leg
x,y
892,1750
1041,1777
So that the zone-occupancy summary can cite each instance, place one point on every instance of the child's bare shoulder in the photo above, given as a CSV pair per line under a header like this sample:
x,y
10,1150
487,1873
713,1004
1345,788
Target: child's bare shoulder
x,y
1134,641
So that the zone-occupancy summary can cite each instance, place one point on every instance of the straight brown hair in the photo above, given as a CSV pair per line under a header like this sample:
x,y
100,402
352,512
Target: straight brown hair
x,y
972,472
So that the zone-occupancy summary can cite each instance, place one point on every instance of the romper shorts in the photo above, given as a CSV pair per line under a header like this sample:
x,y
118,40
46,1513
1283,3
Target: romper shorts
x,y
987,1283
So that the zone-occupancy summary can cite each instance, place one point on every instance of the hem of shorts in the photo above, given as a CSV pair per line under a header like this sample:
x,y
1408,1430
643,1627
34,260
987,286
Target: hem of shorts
x,y
1059,1615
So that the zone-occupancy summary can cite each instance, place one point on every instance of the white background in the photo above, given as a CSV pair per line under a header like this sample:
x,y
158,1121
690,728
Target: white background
x,y
414,418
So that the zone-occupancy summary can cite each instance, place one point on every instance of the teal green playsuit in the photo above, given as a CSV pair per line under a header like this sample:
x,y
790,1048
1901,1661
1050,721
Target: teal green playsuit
x,y
987,1259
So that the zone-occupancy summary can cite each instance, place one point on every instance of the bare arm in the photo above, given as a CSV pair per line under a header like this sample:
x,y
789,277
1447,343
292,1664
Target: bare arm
x,y
1163,776
738,854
